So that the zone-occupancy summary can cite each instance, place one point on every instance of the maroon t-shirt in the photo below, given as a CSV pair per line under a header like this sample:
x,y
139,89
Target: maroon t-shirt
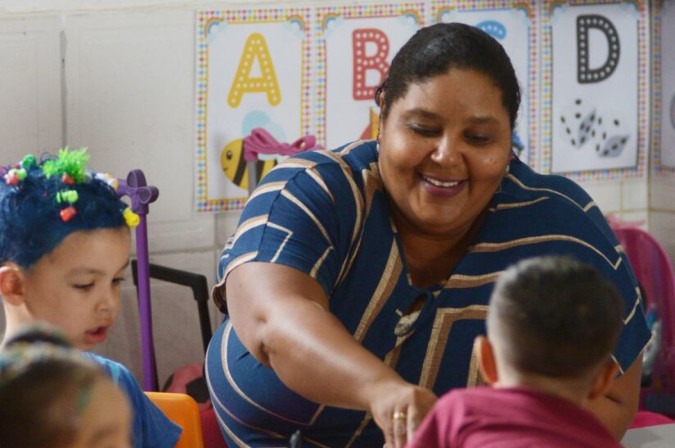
x,y
486,417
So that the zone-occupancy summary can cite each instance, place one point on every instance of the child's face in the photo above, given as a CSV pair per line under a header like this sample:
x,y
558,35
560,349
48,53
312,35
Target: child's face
x,y
77,285
106,420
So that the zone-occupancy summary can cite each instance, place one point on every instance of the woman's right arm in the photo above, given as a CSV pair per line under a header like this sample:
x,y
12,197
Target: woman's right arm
x,y
282,317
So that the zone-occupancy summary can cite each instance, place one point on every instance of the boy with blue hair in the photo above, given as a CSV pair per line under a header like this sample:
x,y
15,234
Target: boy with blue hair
x,y
64,251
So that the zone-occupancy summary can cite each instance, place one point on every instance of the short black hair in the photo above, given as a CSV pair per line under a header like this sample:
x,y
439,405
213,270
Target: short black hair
x,y
555,316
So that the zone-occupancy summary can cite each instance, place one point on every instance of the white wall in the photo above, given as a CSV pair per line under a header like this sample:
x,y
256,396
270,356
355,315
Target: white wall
x,y
662,210
126,90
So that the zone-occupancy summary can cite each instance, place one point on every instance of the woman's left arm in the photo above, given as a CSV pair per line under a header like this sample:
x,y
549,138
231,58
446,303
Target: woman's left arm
x,y
617,408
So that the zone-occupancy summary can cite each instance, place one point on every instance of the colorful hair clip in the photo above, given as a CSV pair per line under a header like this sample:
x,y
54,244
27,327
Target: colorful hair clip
x,y
67,213
69,196
70,165
14,176
108,179
66,179
132,219
28,162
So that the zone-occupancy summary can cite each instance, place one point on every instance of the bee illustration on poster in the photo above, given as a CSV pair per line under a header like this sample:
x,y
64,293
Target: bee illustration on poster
x,y
354,47
666,140
595,86
513,25
253,71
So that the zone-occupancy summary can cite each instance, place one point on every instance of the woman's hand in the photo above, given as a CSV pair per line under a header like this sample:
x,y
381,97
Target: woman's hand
x,y
398,408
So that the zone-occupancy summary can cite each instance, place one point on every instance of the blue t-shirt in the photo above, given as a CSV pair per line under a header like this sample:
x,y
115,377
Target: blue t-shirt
x,y
152,429
326,213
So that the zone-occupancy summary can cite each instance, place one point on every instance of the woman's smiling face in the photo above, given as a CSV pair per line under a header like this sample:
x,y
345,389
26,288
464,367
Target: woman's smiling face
x,y
444,149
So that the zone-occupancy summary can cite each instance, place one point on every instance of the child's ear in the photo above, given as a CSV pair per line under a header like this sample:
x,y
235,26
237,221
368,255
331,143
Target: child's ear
x,y
486,359
603,380
11,284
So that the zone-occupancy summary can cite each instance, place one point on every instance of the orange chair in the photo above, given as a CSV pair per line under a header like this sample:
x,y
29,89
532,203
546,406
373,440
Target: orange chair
x,y
183,410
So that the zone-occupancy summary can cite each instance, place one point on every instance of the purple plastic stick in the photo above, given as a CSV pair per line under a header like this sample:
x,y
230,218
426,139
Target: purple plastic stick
x,y
141,195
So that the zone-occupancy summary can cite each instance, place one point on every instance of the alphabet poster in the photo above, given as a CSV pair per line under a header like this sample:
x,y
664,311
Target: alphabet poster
x,y
253,70
666,139
583,67
355,45
595,105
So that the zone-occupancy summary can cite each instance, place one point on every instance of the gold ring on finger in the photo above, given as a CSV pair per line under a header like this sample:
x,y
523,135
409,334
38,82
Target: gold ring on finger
x,y
400,415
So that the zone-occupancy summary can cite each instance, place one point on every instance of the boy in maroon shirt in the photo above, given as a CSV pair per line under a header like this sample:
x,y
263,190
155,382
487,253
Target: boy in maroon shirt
x,y
551,328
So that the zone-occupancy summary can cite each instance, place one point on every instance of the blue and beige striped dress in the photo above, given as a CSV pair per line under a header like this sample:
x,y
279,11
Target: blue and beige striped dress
x,y
326,214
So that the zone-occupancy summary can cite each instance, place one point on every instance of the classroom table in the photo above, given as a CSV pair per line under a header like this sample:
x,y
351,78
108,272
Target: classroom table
x,y
660,436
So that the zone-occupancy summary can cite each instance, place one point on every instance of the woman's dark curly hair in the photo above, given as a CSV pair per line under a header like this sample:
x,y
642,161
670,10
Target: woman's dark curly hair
x,y
436,49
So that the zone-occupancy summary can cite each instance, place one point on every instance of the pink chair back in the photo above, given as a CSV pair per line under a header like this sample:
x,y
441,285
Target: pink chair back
x,y
654,272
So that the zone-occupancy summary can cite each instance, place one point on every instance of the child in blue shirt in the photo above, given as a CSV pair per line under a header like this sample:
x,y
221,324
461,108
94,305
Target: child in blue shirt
x,y
64,251
53,397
